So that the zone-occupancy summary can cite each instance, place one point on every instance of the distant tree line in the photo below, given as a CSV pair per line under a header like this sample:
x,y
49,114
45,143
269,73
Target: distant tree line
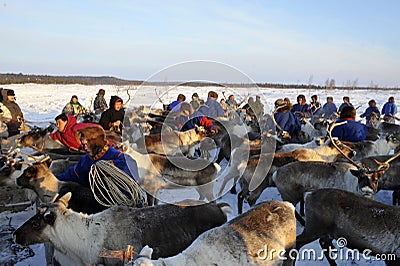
x,y
11,78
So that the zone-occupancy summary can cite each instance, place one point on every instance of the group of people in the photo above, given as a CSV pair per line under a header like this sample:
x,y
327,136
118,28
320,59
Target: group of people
x,y
67,125
199,112
287,117
90,138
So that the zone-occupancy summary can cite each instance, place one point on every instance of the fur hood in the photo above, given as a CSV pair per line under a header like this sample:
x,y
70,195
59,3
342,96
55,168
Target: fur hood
x,y
96,136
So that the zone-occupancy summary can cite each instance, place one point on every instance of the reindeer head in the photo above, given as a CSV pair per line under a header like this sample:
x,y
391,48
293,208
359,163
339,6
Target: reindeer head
x,y
34,173
34,230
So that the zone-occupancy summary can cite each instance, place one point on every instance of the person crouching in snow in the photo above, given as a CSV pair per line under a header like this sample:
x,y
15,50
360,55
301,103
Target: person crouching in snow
x,y
93,141
67,128
113,117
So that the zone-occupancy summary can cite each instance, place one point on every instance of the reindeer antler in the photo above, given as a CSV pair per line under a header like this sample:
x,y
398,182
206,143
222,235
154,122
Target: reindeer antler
x,y
329,130
129,97
386,164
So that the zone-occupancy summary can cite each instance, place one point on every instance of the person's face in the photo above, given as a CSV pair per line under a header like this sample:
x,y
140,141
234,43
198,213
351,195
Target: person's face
x,y
373,104
61,125
118,106
86,147
232,98
301,101
74,100
11,98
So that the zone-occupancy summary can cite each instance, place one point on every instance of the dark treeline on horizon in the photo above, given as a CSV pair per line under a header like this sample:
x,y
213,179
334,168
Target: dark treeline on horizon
x,y
11,78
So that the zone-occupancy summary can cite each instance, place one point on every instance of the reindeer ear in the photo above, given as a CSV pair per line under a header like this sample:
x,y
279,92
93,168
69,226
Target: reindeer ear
x,y
356,173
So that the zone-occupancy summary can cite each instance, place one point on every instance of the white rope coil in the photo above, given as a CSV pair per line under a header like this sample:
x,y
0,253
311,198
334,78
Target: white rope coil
x,y
108,182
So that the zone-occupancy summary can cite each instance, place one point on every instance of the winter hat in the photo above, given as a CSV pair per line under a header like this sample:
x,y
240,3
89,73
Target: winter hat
x,y
280,103
114,99
10,93
95,136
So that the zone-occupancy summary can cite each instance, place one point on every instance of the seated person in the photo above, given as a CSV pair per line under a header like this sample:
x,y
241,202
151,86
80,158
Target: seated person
x,y
212,107
352,131
94,143
346,102
329,107
300,109
67,128
113,117
100,104
174,105
287,124
315,107
232,102
369,112
389,110
74,107
189,118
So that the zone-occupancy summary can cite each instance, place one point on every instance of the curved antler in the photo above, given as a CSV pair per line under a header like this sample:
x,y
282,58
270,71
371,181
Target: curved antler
x,y
129,97
329,130
386,164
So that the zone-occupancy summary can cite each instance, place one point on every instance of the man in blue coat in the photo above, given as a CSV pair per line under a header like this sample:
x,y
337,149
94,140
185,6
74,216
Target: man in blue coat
x,y
94,143
352,131
212,108
346,102
174,106
389,110
329,107
370,111
285,120
301,108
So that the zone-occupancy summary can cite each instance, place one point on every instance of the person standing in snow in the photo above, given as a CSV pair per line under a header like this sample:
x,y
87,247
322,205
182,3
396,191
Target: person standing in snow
x,y
15,115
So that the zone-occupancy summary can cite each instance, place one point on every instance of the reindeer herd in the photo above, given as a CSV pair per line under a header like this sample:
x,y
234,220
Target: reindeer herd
x,y
334,183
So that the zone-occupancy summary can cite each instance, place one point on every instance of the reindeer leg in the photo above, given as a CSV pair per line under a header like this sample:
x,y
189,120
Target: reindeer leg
x,y
302,206
299,218
326,244
240,202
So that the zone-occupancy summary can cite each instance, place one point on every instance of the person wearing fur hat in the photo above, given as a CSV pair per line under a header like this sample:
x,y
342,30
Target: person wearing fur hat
x,y
14,121
287,125
93,141
74,107
352,131
67,128
113,117
100,104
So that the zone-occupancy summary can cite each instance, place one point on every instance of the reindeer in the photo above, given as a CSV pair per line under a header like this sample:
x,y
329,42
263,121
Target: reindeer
x,y
362,222
296,178
161,172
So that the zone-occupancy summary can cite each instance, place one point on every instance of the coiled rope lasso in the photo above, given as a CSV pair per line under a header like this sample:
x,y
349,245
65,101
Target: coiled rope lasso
x,y
108,182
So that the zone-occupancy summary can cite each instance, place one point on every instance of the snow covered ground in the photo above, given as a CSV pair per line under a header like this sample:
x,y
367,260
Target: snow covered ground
x,y
41,103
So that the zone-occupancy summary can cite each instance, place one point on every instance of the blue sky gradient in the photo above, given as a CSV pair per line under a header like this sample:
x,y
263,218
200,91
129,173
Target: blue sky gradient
x,y
270,41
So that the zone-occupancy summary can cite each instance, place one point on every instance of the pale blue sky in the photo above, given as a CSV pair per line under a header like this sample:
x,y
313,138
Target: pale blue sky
x,y
270,41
